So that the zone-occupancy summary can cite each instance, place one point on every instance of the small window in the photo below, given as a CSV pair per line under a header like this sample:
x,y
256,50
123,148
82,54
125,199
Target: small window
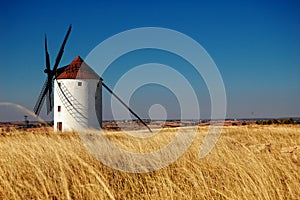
x,y
58,108
59,126
79,83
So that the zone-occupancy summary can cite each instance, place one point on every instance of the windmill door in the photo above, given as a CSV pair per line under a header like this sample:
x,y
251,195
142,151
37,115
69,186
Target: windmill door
x,y
59,126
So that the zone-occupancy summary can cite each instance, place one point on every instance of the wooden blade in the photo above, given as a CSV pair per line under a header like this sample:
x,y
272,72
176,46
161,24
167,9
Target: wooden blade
x,y
61,50
41,99
47,56
130,110
50,97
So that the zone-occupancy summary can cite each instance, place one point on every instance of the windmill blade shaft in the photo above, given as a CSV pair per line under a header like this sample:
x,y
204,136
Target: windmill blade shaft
x,y
120,100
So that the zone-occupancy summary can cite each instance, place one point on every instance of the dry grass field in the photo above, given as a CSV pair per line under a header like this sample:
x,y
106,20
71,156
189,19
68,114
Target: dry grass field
x,y
248,162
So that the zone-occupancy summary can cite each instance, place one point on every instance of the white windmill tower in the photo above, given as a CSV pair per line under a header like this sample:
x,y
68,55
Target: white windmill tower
x,y
77,94
77,97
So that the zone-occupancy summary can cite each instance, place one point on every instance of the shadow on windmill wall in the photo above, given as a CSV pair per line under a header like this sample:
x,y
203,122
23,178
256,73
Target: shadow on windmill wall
x,y
98,102
73,106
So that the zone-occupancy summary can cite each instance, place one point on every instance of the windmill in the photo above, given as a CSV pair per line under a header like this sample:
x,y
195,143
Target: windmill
x,y
75,91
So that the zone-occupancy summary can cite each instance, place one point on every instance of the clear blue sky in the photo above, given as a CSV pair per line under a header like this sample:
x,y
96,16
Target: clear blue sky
x,y
255,44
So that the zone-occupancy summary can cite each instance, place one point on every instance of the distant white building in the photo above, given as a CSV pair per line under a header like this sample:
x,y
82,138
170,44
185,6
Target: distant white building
x,y
77,97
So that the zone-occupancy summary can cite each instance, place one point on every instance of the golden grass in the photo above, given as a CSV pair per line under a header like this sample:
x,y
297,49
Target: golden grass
x,y
249,162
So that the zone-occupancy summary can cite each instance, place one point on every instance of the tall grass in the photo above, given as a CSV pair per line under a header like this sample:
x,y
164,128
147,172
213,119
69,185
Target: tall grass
x,y
248,162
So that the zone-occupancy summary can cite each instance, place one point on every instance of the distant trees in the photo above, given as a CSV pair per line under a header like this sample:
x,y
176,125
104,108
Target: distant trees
x,y
276,121
289,121
238,123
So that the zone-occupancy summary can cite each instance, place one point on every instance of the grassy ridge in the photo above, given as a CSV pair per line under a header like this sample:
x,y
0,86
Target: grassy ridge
x,y
249,162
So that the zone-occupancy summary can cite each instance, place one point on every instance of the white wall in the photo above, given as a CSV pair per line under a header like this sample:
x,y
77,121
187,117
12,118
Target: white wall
x,y
78,106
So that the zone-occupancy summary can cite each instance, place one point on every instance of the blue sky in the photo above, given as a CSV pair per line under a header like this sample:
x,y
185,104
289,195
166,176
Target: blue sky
x,y
255,44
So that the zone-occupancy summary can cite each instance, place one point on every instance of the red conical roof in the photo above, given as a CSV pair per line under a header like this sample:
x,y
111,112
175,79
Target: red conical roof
x,y
78,69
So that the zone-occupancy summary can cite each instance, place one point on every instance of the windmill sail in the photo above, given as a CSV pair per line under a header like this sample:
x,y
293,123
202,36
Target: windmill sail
x,y
47,89
41,99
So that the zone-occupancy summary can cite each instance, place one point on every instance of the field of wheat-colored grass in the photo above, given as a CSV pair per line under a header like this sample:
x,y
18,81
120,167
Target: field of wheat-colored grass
x,y
248,162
